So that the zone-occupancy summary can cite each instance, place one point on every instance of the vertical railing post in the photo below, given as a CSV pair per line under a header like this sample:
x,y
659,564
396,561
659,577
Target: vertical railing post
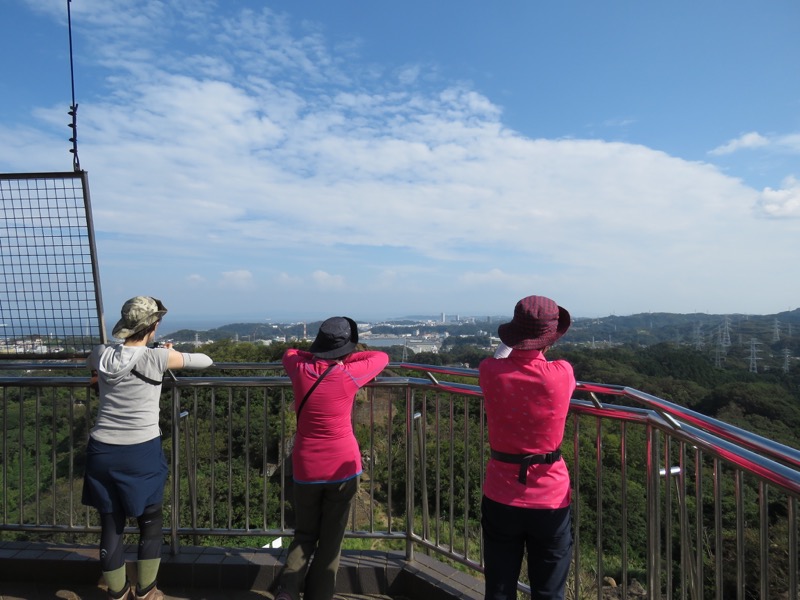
x,y
687,582
791,516
668,558
740,571
576,510
718,552
423,474
409,474
175,500
653,516
699,525
623,456
763,528
599,505
190,442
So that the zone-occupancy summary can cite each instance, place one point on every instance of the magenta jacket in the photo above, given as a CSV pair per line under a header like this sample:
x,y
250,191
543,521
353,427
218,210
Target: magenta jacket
x,y
325,448
526,398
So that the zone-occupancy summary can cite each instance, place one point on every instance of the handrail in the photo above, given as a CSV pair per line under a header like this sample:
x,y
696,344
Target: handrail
x,y
667,409
672,413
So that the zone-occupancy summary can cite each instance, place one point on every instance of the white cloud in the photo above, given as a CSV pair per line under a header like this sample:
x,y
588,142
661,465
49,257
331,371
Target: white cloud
x,y
240,279
326,281
784,202
619,122
495,279
789,144
746,141
409,74
262,147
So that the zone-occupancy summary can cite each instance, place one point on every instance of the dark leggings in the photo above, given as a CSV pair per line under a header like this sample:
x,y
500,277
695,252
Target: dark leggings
x,y
112,528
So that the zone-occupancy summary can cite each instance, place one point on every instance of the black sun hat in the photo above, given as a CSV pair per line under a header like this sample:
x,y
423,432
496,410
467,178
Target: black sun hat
x,y
337,337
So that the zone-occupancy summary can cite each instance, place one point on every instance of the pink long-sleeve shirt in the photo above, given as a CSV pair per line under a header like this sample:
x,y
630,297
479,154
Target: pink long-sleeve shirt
x,y
526,400
325,448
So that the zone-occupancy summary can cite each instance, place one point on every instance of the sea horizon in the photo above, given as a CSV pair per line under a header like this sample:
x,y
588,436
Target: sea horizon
x,y
204,323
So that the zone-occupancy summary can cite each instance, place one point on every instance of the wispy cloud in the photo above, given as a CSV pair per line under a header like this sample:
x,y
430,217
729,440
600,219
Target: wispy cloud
x,y
746,141
326,281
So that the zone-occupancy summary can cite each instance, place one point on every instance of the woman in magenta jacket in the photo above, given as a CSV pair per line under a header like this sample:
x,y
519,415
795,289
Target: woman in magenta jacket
x,y
326,459
526,493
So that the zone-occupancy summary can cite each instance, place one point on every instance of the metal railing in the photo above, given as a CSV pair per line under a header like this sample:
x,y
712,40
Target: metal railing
x,y
663,498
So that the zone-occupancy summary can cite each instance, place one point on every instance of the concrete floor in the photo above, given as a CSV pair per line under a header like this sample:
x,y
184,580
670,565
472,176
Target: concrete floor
x,y
47,591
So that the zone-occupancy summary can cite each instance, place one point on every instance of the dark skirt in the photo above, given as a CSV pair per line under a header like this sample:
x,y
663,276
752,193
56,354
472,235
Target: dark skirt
x,y
124,478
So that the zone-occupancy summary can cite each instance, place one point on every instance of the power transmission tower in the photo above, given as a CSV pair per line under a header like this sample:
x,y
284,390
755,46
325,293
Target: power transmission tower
x,y
719,349
699,340
754,358
725,339
718,354
786,360
776,332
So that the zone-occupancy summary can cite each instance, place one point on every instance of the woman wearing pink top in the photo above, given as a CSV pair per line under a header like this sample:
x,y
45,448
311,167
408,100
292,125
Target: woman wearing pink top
x,y
526,494
326,459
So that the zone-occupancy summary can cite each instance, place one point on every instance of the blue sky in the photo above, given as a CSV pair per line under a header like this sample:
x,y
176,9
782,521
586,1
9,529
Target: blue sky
x,y
293,160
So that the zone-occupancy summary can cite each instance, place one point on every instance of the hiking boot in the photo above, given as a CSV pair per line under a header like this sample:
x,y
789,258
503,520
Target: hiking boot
x,y
153,594
124,594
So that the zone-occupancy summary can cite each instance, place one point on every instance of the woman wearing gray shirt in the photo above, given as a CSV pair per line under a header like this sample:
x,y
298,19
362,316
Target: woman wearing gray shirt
x,y
125,466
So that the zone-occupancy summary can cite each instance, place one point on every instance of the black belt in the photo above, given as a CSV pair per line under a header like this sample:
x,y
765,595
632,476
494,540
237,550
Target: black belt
x,y
526,460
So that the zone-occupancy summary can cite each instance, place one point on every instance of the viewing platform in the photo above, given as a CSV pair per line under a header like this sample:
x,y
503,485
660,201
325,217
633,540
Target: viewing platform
x,y
36,570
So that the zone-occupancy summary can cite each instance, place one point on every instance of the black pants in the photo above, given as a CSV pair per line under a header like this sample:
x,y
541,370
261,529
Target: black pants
x,y
508,531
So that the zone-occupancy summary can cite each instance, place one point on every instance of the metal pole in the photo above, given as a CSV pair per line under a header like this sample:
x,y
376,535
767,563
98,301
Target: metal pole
x,y
409,475
423,475
174,518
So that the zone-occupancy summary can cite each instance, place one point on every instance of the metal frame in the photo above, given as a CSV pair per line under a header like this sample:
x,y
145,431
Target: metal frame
x,y
50,300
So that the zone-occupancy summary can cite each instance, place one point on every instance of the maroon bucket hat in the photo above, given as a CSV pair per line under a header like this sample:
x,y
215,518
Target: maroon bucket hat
x,y
537,323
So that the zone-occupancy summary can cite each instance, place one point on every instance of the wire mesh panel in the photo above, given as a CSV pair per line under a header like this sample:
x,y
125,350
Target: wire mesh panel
x,y
50,302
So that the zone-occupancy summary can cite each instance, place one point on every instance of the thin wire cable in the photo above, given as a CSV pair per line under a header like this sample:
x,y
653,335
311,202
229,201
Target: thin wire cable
x,y
73,109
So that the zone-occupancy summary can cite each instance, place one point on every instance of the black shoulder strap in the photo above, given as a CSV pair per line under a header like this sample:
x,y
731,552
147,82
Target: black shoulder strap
x,y
144,378
313,387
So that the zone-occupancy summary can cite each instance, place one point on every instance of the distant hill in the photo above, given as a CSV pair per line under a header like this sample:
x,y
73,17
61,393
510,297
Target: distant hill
x,y
776,332
698,329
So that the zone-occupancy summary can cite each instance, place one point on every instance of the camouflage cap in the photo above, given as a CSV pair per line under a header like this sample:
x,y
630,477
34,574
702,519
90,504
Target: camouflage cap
x,y
138,313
